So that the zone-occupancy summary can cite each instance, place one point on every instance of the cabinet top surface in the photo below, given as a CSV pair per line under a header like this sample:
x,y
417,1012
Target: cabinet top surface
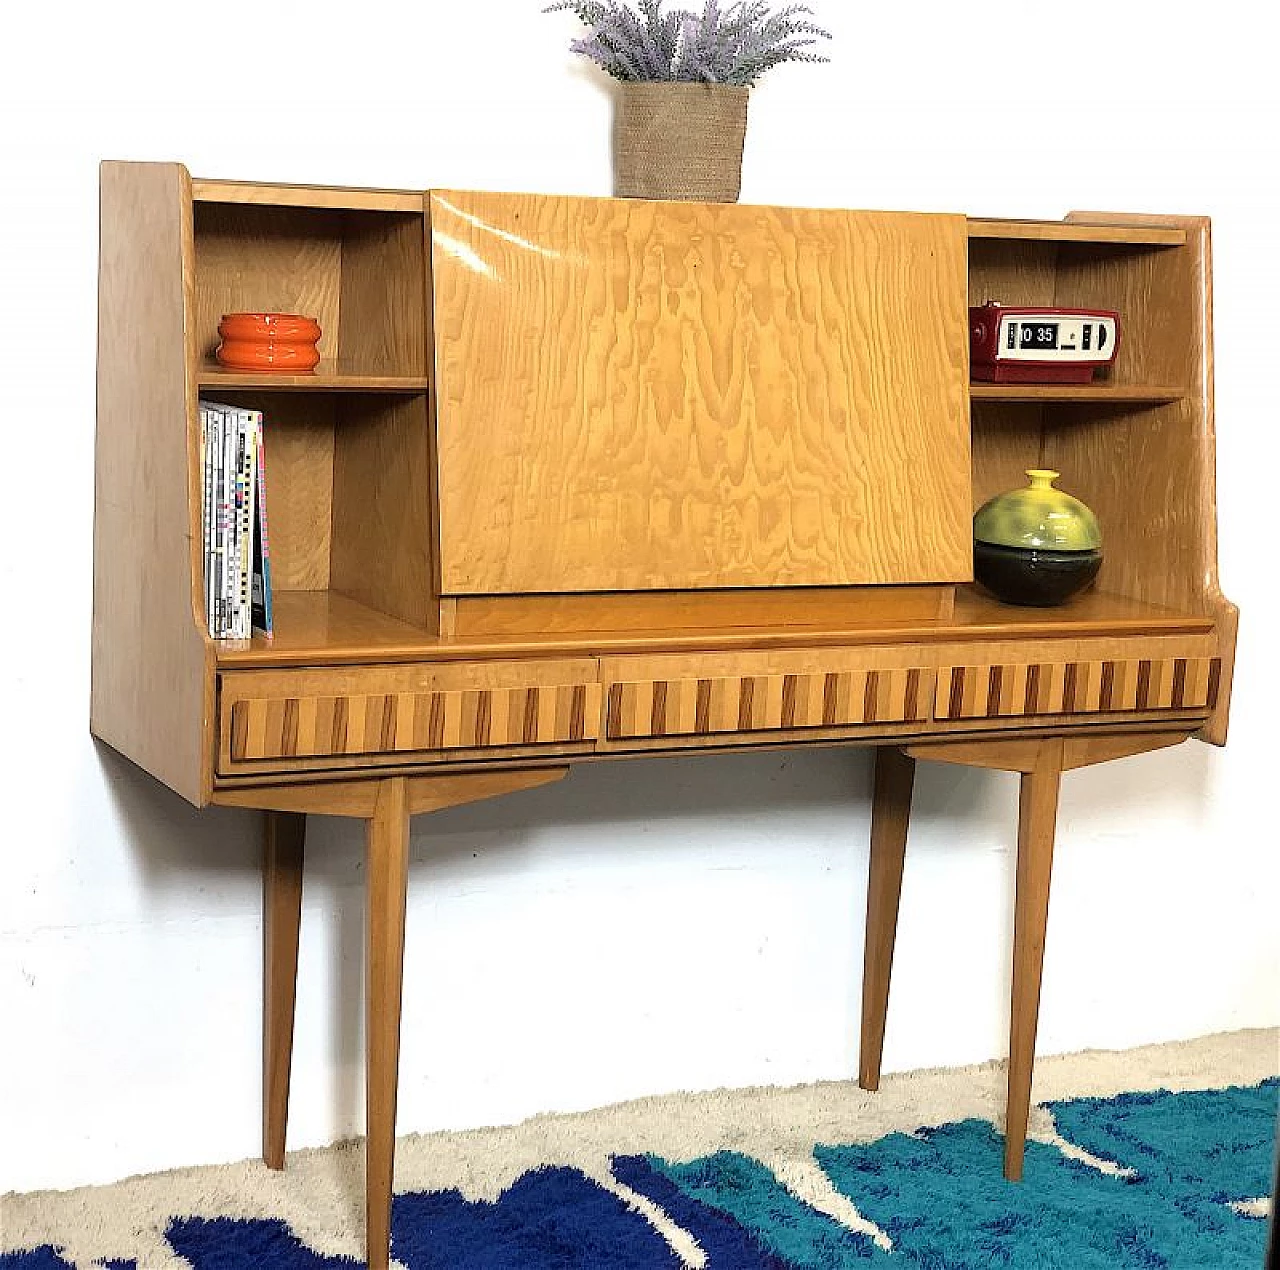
x,y
357,198
318,627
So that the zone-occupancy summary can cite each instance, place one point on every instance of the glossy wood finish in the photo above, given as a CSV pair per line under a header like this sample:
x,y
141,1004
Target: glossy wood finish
x,y
152,686
284,837
700,387
1037,815
890,815
387,860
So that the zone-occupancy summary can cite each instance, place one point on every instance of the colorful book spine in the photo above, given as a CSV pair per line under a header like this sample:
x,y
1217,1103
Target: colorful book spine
x,y
237,582
261,589
226,522
252,432
245,485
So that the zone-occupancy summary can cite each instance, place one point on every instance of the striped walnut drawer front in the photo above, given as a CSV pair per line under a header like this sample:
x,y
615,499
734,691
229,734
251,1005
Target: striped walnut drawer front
x,y
1079,687
712,704
405,710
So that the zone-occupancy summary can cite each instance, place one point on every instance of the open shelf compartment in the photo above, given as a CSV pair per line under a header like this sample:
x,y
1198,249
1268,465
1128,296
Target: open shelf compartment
x,y
360,273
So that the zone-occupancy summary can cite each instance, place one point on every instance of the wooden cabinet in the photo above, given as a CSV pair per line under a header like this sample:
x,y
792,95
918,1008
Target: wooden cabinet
x,y
583,478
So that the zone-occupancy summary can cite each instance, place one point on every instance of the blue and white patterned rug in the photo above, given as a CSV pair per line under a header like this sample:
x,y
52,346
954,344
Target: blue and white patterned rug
x,y
1170,1177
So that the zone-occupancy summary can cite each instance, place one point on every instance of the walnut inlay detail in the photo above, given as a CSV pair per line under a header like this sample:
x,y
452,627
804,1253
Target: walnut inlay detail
x,y
378,723
755,703
1082,687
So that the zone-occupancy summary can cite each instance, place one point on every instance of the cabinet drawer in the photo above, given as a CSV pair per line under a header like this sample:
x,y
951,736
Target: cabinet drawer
x,y
1000,689
718,694
265,716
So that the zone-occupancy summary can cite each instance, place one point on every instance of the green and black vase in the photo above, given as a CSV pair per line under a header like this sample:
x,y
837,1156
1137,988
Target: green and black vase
x,y
1036,545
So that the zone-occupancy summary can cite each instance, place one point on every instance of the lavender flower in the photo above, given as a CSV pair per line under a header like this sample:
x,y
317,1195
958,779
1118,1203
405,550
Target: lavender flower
x,y
734,45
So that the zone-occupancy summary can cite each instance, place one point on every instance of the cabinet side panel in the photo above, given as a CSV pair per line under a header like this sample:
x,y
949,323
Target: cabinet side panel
x,y
1151,475
645,396
152,683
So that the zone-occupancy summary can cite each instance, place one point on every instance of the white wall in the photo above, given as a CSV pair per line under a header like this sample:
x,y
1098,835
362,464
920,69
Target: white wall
x,y
648,925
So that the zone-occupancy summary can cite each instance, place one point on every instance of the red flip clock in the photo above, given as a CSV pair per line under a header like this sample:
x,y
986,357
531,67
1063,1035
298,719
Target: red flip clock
x,y
1040,345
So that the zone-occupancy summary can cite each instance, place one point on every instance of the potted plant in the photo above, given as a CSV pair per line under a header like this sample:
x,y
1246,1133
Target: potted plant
x,y
681,115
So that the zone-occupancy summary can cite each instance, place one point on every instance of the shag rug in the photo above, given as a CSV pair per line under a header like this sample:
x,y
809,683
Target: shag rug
x,y
1156,1157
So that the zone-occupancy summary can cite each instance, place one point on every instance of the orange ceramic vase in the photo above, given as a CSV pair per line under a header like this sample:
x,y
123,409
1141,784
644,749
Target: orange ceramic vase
x,y
284,343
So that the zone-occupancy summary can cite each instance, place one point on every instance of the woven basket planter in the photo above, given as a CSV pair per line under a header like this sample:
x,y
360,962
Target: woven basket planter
x,y
679,141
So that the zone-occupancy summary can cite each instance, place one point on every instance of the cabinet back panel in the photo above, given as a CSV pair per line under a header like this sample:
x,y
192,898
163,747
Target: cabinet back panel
x,y
1012,271
1155,292
636,396
267,260
360,274
381,554
1007,440
1137,470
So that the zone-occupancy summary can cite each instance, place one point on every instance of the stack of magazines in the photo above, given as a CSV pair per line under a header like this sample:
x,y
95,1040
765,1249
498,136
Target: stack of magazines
x,y
237,556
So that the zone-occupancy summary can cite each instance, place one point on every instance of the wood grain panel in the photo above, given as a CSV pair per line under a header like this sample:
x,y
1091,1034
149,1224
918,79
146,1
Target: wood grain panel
x,y
152,685
406,710
998,690
636,396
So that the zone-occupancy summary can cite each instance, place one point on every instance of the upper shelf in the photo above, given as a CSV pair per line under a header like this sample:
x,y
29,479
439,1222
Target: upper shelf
x,y
1075,232
1119,394
326,378
345,198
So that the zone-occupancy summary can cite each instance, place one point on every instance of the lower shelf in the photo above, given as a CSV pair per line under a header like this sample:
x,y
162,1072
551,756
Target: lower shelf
x,y
321,628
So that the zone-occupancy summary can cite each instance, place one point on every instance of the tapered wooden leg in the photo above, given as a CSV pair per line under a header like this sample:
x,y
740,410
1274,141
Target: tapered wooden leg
x,y
388,870
285,833
1037,815
890,814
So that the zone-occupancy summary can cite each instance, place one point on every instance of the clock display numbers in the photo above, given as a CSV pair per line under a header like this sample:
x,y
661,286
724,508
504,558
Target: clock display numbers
x,y
1038,335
